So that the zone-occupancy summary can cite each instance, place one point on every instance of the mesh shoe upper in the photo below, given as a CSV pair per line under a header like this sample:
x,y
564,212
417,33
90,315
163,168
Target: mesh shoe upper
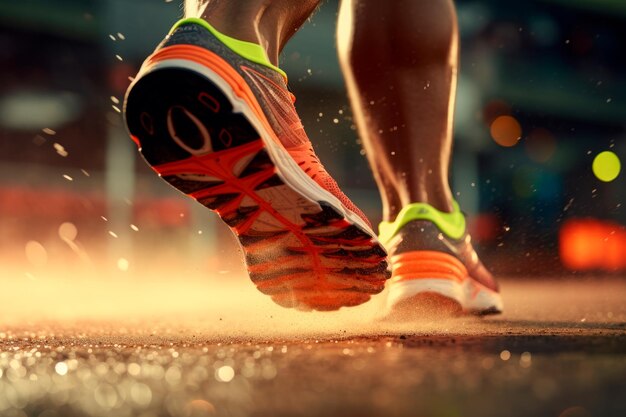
x,y
271,91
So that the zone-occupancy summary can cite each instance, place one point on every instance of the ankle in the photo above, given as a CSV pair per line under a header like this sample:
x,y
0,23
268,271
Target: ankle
x,y
240,20
438,197
269,24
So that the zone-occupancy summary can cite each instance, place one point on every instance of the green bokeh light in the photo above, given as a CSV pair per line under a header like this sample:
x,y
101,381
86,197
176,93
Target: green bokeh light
x,y
606,166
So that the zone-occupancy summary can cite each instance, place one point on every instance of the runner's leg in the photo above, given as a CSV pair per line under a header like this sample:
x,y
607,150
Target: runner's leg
x,y
400,63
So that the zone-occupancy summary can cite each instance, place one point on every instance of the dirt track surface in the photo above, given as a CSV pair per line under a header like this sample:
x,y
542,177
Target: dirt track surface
x,y
559,350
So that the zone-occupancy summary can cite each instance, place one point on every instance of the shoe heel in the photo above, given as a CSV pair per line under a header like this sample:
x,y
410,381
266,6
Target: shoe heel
x,y
425,284
196,55
174,113
417,265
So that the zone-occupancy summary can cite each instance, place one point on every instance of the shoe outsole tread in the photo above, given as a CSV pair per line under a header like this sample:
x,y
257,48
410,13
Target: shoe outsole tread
x,y
215,155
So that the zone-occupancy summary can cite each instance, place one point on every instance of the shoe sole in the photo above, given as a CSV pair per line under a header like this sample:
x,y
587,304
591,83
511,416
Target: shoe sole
x,y
427,283
199,128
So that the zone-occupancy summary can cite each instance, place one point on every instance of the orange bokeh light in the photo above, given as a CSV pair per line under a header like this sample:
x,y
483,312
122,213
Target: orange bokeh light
x,y
589,244
506,131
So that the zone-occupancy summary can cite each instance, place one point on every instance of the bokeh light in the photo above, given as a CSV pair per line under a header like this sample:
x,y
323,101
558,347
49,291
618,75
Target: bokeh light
x,y
36,253
225,374
606,166
506,131
123,264
61,368
540,145
590,244
68,231
198,408
524,181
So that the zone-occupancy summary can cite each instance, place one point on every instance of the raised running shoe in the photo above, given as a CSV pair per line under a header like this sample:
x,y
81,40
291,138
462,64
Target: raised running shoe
x,y
214,118
435,267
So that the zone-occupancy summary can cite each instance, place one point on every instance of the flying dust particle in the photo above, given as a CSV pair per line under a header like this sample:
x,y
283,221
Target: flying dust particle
x,y
60,149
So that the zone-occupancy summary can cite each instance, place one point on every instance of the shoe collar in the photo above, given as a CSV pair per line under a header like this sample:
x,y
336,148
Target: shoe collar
x,y
249,50
451,224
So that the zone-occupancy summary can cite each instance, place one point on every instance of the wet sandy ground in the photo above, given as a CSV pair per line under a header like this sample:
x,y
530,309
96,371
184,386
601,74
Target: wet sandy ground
x,y
559,350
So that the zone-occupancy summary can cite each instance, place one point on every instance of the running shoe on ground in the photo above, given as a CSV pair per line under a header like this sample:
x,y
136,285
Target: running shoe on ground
x,y
214,118
435,267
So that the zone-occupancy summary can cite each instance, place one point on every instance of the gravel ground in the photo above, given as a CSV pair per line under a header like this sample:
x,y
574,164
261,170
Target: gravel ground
x,y
559,350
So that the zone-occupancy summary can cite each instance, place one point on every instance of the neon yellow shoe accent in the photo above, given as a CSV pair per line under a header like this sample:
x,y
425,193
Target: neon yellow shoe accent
x,y
451,224
249,50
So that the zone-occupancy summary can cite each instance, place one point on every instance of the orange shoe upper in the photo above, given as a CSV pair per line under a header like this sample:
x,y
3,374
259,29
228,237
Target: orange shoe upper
x,y
278,103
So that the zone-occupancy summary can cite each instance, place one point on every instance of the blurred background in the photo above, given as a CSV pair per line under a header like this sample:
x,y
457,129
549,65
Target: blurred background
x,y
542,95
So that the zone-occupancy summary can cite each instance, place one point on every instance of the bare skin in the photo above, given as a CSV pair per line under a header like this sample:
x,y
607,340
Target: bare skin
x,y
400,63
270,23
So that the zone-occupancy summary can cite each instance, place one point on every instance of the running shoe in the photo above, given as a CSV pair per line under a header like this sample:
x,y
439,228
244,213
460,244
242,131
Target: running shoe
x,y
215,119
435,268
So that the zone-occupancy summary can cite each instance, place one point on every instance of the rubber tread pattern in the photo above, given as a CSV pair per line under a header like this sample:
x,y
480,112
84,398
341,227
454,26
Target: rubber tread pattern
x,y
302,253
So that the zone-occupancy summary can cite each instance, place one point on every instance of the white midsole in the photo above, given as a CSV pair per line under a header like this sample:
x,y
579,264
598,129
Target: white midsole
x,y
471,295
287,168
